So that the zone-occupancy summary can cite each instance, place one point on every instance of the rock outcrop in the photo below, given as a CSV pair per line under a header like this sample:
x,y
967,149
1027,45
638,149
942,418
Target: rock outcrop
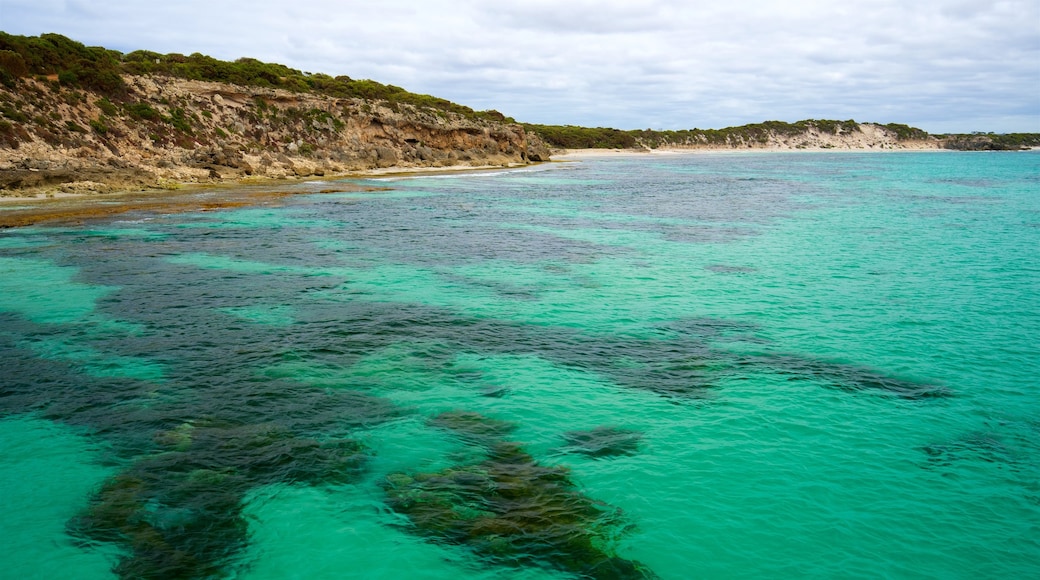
x,y
170,130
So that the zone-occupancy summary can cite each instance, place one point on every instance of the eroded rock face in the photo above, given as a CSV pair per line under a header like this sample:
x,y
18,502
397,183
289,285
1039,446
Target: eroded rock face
x,y
176,129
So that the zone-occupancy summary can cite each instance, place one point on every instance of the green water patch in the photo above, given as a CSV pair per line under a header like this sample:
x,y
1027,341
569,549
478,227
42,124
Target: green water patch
x,y
310,373
546,400
510,279
340,246
306,532
273,315
403,366
216,262
46,293
117,233
178,513
581,213
47,472
600,237
9,242
399,366
410,443
94,362
113,232
395,194
258,218
852,453
409,284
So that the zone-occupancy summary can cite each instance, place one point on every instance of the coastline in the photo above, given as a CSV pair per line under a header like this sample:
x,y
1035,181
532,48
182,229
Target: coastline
x,y
31,207
20,208
589,154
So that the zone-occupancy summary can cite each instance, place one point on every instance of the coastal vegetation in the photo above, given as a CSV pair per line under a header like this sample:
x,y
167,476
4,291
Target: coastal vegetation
x,y
75,65
765,134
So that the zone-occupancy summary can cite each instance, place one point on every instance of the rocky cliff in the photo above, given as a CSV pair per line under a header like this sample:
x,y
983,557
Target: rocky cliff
x,y
163,131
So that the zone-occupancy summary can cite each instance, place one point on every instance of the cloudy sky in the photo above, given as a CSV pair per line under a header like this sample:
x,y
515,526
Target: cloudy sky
x,y
942,65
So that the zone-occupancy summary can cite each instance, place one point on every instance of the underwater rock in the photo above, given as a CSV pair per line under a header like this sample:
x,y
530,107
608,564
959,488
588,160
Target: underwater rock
x,y
511,510
602,442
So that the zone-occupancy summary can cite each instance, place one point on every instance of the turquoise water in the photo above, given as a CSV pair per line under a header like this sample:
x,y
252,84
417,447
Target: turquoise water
x,y
719,366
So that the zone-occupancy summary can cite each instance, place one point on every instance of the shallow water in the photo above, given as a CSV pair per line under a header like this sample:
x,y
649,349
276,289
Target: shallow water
x,y
762,365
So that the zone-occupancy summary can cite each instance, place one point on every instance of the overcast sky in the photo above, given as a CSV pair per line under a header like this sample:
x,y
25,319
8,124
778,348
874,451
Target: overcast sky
x,y
941,65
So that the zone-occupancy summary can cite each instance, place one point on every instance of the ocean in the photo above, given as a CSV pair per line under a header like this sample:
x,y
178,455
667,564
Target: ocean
x,y
760,365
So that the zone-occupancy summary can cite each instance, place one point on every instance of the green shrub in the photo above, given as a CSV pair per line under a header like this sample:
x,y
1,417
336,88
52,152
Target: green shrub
x,y
13,63
142,111
179,120
99,126
13,114
68,78
107,107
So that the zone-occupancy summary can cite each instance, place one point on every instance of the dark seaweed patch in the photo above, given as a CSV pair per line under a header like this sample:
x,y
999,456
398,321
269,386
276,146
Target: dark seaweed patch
x,y
726,269
178,513
844,376
509,509
494,391
982,447
473,427
603,442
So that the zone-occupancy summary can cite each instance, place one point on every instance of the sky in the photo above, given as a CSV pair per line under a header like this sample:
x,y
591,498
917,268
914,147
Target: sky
x,y
940,65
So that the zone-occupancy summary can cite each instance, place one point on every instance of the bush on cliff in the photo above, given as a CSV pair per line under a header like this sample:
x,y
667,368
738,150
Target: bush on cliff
x,y
77,65
100,69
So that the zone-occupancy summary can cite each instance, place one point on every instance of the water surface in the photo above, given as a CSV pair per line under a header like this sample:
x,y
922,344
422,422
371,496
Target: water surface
x,y
762,365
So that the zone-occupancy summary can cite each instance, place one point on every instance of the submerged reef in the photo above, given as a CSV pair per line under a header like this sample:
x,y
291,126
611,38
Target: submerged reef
x,y
603,442
845,376
509,509
178,513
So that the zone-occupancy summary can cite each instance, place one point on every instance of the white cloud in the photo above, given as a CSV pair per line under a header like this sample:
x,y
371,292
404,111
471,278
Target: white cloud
x,y
944,65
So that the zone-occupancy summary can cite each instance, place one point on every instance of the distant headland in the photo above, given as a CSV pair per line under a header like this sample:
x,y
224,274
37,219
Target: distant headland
x,y
87,120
